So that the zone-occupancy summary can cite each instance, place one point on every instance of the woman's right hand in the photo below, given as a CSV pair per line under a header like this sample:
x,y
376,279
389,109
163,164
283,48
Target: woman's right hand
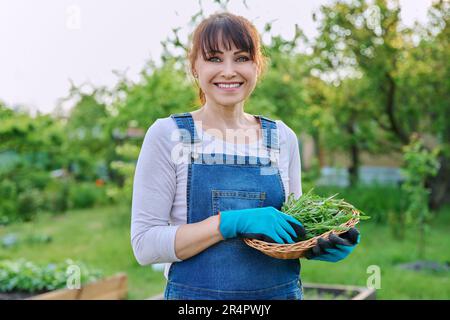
x,y
266,224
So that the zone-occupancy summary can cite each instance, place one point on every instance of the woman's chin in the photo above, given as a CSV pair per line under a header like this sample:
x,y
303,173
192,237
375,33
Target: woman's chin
x,y
229,102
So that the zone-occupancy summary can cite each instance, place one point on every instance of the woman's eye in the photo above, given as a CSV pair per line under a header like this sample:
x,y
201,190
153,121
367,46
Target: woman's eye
x,y
244,58
240,59
211,59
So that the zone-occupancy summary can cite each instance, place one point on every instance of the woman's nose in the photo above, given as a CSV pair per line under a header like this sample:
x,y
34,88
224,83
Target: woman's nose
x,y
229,69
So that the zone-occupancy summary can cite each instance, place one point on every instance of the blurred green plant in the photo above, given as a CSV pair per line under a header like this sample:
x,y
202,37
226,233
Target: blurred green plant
x,y
86,194
375,200
8,205
11,240
29,203
419,164
309,177
57,195
125,167
26,276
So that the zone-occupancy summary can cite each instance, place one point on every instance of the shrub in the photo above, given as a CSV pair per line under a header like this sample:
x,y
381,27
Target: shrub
x,y
29,177
8,203
85,195
25,276
57,196
419,165
29,203
378,201
21,193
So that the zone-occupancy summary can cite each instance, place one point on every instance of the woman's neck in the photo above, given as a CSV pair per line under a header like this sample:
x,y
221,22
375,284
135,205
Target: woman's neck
x,y
222,117
211,119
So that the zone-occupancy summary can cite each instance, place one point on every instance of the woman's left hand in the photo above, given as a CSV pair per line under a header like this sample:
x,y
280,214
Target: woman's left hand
x,y
336,248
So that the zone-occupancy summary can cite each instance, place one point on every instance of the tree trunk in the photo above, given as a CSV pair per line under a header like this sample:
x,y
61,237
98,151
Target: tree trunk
x,y
318,151
354,156
390,111
440,185
354,166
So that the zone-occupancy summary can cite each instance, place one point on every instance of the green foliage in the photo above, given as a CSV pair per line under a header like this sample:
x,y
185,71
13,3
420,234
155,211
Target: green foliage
x,y
12,240
26,276
125,167
281,92
364,84
420,164
22,193
375,200
88,140
29,203
401,78
29,150
310,176
8,205
57,196
160,91
85,195
100,238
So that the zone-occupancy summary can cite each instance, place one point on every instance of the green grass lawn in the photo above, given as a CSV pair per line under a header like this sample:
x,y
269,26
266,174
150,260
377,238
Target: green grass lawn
x,y
100,237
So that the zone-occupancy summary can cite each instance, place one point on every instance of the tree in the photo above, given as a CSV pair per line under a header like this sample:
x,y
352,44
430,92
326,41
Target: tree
x,y
425,84
367,37
88,139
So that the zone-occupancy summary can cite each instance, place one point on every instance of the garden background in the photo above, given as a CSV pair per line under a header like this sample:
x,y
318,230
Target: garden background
x,y
369,99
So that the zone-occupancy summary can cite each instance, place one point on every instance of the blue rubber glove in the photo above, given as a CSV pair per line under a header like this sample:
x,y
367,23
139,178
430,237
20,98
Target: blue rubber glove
x,y
336,247
266,224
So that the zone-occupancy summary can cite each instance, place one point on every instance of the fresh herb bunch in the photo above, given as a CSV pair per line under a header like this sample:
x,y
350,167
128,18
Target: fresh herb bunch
x,y
319,215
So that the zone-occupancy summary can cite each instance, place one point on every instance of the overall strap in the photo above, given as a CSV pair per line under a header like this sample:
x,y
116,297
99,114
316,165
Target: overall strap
x,y
186,125
270,133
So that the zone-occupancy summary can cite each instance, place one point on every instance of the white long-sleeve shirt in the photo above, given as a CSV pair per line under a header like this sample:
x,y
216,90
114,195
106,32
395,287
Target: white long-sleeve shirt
x,y
159,190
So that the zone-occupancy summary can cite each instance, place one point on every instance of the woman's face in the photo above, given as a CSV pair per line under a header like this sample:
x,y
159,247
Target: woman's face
x,y
226,77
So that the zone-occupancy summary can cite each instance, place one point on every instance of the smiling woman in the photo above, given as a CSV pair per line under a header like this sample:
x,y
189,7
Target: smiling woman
x,y
193,214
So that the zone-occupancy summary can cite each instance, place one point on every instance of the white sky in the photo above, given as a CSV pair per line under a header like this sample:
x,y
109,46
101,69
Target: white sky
x,y
45,43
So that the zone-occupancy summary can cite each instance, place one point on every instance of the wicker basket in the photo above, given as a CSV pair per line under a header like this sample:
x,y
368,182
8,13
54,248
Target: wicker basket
x,y
299,249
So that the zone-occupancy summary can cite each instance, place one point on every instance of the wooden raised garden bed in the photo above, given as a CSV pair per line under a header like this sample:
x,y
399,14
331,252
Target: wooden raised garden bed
x,y
111,288
316,291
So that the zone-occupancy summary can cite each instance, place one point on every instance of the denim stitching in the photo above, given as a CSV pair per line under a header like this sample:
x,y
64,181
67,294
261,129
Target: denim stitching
x,y
282,184
188,193
246,162
259,291
248,195
242,194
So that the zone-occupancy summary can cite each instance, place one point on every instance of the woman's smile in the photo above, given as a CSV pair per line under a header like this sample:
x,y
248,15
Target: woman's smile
x,y
229,86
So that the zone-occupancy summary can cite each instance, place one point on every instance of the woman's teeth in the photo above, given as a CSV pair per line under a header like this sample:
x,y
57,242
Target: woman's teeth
x,y
234,85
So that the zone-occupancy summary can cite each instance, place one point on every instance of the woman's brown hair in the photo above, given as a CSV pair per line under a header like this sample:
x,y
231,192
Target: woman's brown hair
x,y
233,29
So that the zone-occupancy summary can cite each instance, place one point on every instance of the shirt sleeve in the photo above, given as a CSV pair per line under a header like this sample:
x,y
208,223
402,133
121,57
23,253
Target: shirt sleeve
x,y
295,183
154,188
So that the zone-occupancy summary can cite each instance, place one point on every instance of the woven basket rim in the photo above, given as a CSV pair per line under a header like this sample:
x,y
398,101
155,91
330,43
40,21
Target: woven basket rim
x,y
301,247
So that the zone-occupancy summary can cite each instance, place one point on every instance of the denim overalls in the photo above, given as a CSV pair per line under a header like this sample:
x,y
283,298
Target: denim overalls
x,y
230,269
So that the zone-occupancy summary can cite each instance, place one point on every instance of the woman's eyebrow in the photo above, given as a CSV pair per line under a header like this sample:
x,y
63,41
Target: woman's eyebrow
x,y
218,51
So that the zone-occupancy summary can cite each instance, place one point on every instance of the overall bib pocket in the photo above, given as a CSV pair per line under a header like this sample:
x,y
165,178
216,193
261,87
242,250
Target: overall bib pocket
x,y
236,200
